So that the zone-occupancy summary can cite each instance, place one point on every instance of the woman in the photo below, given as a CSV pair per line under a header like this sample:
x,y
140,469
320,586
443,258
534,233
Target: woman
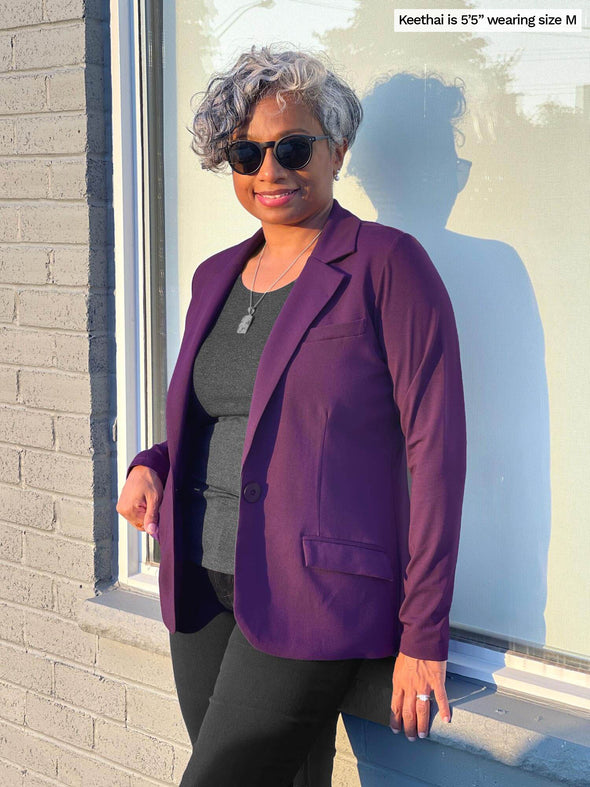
x,y
281,573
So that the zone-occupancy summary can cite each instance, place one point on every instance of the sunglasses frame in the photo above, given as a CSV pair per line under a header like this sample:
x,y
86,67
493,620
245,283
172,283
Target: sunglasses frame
x,y
261,146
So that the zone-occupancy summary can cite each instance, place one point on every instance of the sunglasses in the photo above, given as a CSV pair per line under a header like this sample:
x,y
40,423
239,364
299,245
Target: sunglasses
x,y
292,152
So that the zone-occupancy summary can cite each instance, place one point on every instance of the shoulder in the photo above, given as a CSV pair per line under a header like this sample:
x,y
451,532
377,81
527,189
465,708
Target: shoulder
x,y
211,265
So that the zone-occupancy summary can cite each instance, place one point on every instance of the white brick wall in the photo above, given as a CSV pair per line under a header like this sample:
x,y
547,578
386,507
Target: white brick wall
x,y
75,708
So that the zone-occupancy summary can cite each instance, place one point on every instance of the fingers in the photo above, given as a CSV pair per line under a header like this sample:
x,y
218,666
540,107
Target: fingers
x,y
440,695
423,715
409,716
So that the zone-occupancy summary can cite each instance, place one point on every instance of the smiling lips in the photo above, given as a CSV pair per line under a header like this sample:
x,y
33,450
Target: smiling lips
x,y
274,198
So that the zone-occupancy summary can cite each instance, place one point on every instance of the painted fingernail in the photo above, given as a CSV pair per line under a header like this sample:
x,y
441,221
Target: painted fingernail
x,y
446,719
394,730
422,734
412,739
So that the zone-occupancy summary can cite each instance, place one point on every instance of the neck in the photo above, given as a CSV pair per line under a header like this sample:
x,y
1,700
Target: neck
x,y
286,240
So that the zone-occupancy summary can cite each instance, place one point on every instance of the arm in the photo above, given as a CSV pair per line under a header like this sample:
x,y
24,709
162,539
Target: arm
x,y
422,349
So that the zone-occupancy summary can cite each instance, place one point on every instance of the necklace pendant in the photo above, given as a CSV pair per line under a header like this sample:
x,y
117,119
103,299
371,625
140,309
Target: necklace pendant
x,y
245,323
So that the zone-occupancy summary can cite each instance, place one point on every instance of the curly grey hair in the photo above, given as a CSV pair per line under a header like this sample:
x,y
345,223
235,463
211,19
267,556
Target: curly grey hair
x,y
231,95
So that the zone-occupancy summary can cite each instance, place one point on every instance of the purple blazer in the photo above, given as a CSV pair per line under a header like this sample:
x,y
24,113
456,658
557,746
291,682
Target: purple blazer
x,y
360,378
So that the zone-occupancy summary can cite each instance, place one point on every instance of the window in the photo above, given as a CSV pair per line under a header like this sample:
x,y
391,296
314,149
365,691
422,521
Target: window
x,y
505,222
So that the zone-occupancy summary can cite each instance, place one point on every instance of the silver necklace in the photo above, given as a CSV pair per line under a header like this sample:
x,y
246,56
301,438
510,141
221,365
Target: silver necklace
x,y
247,318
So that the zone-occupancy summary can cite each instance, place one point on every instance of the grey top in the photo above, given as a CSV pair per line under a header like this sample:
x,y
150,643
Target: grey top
x,y
224,372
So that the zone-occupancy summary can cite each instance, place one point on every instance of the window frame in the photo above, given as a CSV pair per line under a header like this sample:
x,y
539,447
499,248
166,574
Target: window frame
x,y
141,387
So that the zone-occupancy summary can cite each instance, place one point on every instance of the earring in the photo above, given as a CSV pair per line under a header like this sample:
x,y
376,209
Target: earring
x,y
336,176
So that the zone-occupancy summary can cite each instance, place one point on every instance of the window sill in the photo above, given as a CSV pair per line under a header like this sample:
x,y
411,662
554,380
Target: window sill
x,y
543,739
127,616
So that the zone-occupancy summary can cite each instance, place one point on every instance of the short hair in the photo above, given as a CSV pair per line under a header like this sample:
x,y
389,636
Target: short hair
x,y
258,73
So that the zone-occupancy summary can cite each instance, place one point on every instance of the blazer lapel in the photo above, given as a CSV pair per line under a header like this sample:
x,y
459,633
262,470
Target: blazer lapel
x,y
314,287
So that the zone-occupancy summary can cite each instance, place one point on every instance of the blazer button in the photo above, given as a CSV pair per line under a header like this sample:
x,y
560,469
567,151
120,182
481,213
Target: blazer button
x,y
252,492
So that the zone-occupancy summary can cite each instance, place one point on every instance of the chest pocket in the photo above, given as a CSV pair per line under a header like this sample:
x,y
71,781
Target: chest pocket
x,y
336,330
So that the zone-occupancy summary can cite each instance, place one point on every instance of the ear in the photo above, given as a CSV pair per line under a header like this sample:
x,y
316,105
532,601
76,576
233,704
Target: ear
x,y
339,153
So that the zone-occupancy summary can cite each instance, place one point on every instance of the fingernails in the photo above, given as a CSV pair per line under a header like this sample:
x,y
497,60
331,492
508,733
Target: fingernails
x,y
412,739
394,730
150,528
422,734
446,719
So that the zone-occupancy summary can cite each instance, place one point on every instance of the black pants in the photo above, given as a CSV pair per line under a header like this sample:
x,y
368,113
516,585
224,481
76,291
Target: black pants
x,y
255,720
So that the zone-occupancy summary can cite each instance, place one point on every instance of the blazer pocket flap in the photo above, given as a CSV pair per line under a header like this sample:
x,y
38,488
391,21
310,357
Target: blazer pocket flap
x,y
347,557
335,330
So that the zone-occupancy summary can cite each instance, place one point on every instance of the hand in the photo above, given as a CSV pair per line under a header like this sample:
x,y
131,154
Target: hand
x,y
140,499
411,677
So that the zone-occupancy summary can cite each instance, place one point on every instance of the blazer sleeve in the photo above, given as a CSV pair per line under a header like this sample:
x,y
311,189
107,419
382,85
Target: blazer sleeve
x,y
419,336
157,456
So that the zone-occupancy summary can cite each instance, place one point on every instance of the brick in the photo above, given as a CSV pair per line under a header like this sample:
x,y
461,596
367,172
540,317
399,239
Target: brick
x,y
9,464
18,13
55,390
45,47
70,266
26,347
27,507
24,264
8,384
62,556
125,661
25,427
75,89
26,669
24,179
11,539
22,93
89,691
11,623
57,10
48,135
65,223
54,308
99,175
6,58
68,179
29,750
34,780
9,231
82,435
134,750
155,713
75,770
181,757
59,721
83,353
12,703
67,474
75,517
7,304
65,638
11,775
7,136
67,90
26,587
69,596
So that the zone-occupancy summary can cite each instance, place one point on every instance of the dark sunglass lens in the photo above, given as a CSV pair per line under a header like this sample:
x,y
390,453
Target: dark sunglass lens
x,y
294,152
244,157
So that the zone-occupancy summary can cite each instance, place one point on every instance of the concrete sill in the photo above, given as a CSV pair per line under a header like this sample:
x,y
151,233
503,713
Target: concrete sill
x,y
547,740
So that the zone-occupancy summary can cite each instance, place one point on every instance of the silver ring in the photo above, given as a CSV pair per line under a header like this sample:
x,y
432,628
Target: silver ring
x,y
424,697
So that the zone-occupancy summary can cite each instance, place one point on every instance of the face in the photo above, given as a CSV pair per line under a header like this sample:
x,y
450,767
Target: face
x,y
276,195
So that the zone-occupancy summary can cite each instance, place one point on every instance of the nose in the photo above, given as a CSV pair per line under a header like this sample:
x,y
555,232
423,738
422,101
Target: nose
x,y
270,169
